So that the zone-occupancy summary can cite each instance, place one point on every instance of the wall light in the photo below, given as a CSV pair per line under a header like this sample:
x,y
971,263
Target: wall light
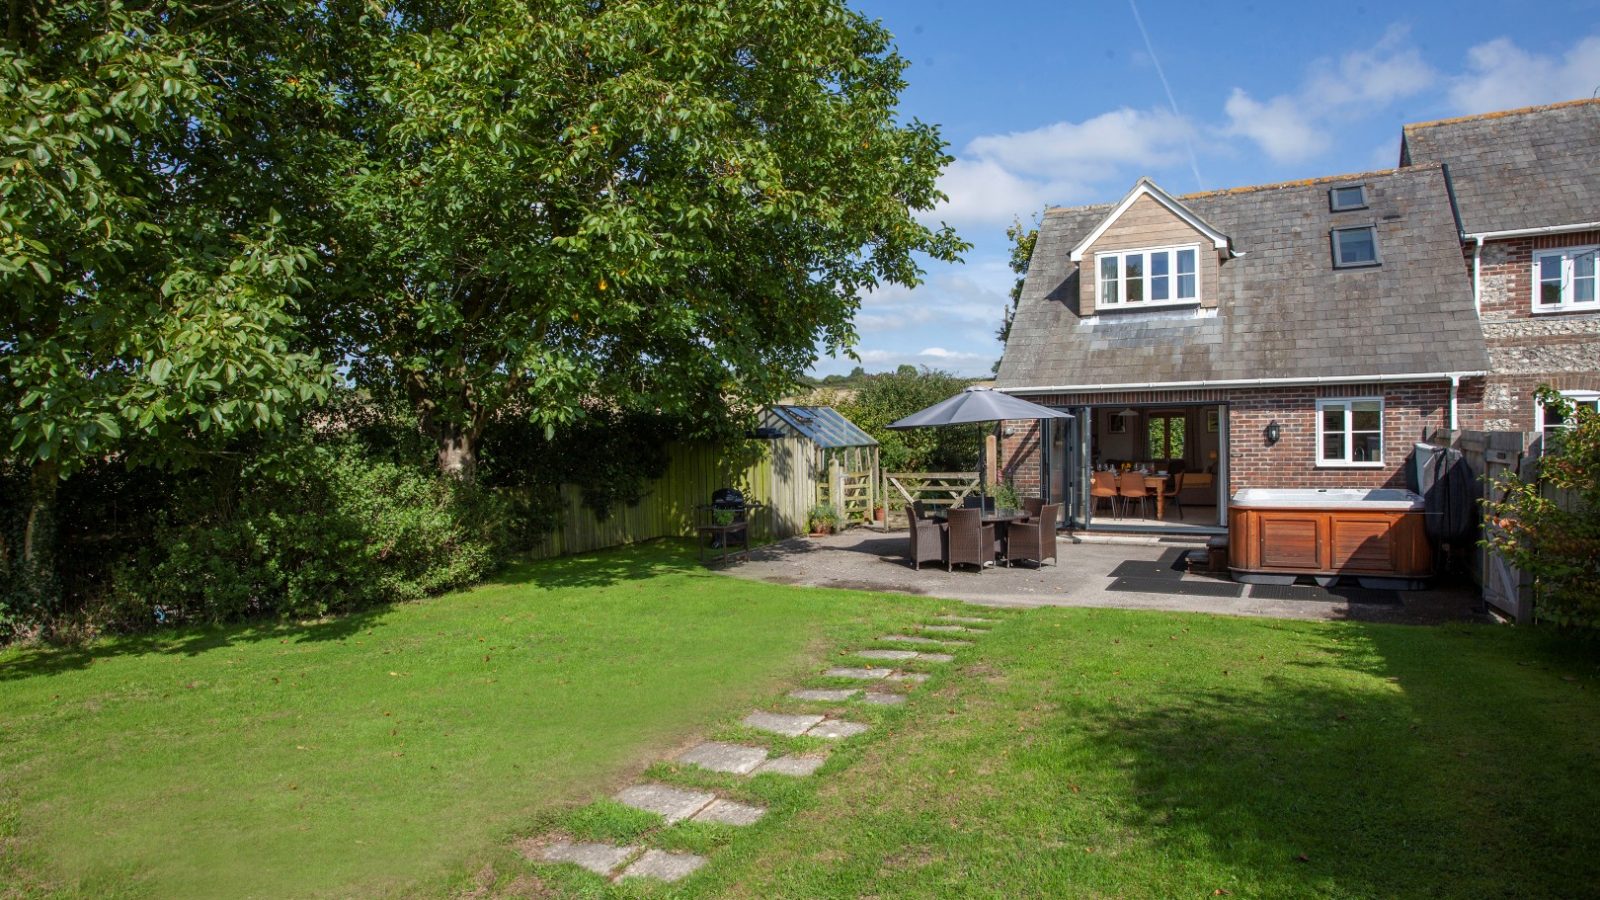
x,y
1274,431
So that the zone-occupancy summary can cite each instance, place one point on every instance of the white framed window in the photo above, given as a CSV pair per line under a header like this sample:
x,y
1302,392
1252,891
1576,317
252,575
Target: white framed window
x,y
1546,421
1565,279
1355,247
1158,276
1350,432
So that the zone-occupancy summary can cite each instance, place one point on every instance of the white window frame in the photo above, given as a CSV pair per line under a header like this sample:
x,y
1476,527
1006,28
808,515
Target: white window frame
x,y
1568,270
1591,397
1338,256
1348,404
1100,300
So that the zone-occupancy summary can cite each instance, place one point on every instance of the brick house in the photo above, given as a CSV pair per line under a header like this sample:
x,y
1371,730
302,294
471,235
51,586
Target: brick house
x,y
1306,334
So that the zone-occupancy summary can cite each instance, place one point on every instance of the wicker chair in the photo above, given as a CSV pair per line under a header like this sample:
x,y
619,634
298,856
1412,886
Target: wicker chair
x,y
1104,490
927,540
971,542
1034,539
1131,486
1031,506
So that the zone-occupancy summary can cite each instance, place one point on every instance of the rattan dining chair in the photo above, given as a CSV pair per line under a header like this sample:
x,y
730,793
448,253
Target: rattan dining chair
x,y
927,540
1032,506
970,541
1034,539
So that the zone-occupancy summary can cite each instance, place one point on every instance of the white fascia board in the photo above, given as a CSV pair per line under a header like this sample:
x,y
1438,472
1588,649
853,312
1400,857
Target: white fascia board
x,y
1530,232
1147,188
1239,383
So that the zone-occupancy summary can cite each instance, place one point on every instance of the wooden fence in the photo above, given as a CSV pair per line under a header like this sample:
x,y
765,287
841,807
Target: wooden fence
x,y
1489,455
782,474
900,489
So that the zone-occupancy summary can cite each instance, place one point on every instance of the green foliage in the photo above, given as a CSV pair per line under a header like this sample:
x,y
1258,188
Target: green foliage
x,y
822,517
884,398
304,532
1005,496
1549,526
1023,239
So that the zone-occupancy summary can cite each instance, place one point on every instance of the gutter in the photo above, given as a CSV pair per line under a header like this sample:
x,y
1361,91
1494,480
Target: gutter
x,y
1481,236
1477,281
1453,377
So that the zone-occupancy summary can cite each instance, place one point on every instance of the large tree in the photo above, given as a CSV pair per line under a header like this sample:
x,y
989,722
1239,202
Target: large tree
x,y
648,204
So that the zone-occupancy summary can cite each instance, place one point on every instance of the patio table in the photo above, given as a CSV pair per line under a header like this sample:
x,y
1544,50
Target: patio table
x,y
999,519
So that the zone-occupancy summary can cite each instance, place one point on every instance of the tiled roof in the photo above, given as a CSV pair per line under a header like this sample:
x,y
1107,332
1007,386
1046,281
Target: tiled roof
x,y
1523,168
1283,310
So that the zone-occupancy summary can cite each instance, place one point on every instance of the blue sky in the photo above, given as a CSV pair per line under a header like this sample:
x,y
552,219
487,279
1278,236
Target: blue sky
x,y
1063,103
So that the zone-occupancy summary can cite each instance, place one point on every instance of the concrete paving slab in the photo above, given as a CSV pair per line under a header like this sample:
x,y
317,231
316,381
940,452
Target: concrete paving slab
x,y
936,657
836,729
730,812
663,865
824,696
781,723
950,629
883,698
918,639
913,677
670,803
886,654
967,620
720,757
601,859
863,674
798,766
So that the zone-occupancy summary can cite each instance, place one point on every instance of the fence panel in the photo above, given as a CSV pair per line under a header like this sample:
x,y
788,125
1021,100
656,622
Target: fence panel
x,y
932,488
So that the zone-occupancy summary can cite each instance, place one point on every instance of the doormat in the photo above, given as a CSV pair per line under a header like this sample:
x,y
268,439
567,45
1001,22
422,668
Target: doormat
x,y
1177,586
1327,595
1170,565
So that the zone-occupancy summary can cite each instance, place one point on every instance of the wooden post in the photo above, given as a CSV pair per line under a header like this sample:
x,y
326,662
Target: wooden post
x,y
989,451
836,488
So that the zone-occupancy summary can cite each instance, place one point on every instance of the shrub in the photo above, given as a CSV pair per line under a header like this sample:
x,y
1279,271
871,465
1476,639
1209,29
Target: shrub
x,y
1549,526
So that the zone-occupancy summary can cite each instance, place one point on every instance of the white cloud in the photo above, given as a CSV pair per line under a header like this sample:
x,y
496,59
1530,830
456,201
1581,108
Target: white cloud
x,y
952,300
999,177
1292,127
1501,75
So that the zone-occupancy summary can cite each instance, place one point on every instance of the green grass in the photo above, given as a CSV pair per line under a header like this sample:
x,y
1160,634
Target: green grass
x,y
1072,753
386,753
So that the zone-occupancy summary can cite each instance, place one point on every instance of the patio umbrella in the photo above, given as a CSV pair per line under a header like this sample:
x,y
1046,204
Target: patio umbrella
x,y
974,406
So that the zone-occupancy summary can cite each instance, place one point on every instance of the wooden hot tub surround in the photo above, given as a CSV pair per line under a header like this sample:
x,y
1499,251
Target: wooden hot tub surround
x,y
1376,536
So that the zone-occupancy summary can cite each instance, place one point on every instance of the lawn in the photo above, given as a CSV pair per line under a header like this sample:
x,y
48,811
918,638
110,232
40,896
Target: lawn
x,y
1067,753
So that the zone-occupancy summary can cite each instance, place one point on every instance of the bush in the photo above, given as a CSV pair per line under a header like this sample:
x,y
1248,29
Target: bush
x,y
311,531
1550,526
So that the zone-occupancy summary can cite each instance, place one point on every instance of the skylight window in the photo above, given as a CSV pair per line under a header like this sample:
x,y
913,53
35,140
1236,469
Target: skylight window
x,y
1350,196
1355,247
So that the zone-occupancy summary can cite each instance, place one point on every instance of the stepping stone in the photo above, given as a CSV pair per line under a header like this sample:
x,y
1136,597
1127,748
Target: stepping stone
x,y
886,654
936,657
720,757
948,628
730,812
863,674
909,639
779,723
798,766
883,698
601,859
670,803
663,865
966,620
913,677
836,729
824,696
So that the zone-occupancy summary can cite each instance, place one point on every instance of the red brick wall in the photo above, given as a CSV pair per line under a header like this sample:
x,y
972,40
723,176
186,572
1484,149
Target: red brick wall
x,y
1019,456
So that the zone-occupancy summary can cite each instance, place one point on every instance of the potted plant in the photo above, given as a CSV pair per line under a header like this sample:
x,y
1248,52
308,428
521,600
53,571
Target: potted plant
x,y
723,517
822,520
1005,496
878,514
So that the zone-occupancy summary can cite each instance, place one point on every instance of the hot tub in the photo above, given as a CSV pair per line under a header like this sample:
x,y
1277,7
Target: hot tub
x,y
1375,536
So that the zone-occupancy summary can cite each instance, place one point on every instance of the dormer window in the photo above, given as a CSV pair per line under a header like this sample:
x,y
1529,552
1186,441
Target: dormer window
x,y
1160,276
1355,247
1347,197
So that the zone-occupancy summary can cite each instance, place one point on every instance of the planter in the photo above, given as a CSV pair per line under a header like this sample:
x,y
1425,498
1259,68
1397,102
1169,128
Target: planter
x,y
877,515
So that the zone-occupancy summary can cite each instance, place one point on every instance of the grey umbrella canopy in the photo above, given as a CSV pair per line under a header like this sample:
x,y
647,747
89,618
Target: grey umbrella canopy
x,y
975,405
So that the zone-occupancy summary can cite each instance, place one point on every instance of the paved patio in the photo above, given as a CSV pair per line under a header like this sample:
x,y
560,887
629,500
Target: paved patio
x,y
1094,571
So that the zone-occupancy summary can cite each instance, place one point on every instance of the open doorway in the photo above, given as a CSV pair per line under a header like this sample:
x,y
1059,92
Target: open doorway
x,y
1142,467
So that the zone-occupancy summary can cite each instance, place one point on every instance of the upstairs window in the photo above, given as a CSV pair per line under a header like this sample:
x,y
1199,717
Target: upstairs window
x,y
1355,247
1565,279
1549,421
1143,278
1350,432
1352,196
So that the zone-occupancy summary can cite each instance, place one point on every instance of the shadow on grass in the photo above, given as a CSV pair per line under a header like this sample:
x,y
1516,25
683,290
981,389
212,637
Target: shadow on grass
x,y
1435,768
590,570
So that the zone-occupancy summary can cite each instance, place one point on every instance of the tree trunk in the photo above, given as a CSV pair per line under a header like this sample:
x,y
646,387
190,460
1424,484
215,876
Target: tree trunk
x,y
39,535
458,453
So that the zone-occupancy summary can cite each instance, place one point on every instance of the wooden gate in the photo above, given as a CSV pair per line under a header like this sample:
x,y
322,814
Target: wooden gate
x,y
932,488
853,495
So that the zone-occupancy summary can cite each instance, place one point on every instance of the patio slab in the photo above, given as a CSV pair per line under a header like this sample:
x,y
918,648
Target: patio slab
x,y
967,620
720,757
670,803
730,812
824,696
863,674
936,657
797,766
663,865
601,859
886,654
782,723
914,677
919,639
883,698
950,629
837,729
867,560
